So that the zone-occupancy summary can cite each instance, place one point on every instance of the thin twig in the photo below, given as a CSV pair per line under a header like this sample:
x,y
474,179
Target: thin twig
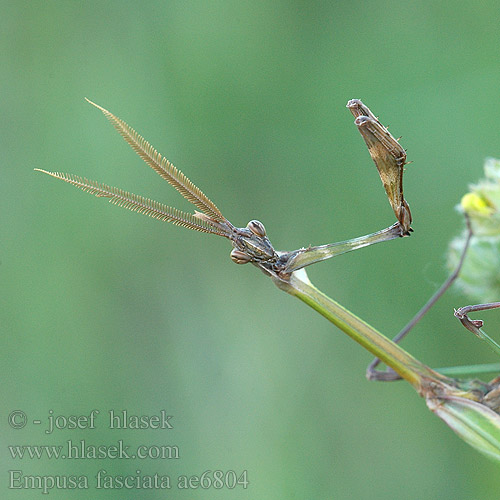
x,y
389,375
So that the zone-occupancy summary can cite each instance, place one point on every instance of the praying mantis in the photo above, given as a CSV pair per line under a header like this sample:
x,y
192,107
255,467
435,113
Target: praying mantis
x,y
250,244
465,405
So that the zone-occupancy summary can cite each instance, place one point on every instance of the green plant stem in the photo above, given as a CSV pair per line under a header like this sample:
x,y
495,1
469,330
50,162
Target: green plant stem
x,y
403,363
470,370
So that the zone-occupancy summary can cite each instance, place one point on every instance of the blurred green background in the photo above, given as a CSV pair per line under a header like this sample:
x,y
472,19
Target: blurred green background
x,y
105,309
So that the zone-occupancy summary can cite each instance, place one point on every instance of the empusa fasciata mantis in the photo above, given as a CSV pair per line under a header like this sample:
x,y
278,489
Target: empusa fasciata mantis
x,y
468,406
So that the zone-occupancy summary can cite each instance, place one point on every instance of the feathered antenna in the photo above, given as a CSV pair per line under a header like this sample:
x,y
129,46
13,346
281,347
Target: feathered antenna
x,y
162,166
210,221
139,204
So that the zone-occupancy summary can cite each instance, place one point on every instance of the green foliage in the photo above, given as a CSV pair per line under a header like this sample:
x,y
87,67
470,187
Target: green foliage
x,y
480,276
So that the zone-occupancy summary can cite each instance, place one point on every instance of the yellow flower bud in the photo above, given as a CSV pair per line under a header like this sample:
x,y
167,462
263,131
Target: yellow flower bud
x,y
477,204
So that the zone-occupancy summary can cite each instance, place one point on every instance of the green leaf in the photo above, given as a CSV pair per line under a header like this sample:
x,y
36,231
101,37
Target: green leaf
x,y
474,422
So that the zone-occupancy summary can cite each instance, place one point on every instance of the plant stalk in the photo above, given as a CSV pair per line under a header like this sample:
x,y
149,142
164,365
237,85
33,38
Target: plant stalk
x,y
403,363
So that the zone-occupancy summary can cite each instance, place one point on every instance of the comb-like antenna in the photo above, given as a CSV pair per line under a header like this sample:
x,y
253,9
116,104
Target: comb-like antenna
x,y
163,167
140,204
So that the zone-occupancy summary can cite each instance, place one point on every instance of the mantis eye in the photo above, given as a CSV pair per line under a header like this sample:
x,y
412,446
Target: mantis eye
x,y
257,228
239,257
